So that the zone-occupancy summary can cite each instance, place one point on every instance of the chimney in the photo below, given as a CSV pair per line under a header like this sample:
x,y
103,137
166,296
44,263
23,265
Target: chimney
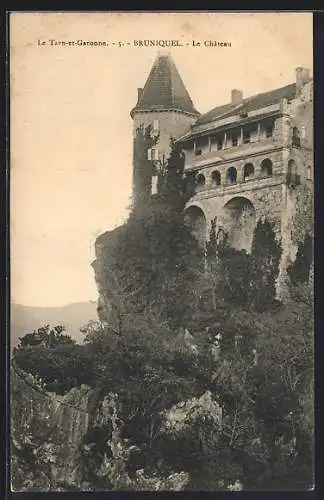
x,y
237,96
302,77
139,94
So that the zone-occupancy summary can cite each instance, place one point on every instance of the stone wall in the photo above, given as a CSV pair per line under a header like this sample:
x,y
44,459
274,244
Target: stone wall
x,y
171,124
267,202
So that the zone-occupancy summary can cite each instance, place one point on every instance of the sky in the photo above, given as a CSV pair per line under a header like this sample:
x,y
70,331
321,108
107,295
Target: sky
x,y
71,130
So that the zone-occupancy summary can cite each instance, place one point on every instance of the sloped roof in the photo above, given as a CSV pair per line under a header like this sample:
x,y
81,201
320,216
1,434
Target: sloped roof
x,y
164,89
249,104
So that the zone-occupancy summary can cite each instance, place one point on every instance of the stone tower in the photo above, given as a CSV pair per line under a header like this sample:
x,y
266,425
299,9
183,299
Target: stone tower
x,y
164,110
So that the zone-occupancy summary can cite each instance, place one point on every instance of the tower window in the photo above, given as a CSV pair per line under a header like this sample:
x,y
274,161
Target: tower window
x,y
153,154
154,184
295,137
309,173
303,132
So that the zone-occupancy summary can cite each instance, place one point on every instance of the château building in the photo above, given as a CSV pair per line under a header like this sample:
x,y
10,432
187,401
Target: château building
x,y
252,156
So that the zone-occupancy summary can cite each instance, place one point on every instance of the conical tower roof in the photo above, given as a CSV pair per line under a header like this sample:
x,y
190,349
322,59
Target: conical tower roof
x,y
164,89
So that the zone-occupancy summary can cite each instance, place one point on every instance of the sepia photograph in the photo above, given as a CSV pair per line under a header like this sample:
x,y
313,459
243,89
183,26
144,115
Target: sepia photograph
x,y
161,251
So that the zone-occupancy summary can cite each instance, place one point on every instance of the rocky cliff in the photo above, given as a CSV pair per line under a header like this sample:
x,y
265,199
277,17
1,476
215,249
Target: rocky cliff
x,y
103,266
46,433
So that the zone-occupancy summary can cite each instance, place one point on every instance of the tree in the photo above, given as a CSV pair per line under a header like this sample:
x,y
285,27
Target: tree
x,y
143,168
263,441
46,336
178,186
242,279
236,276
154,260
265,255
229,270
298,271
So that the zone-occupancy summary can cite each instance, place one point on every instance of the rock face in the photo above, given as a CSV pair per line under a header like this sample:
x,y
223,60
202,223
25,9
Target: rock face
x,y
48,429
177,416
102,266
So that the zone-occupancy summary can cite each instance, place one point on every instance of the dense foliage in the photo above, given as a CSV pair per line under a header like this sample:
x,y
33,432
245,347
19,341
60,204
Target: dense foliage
x,y
241,278
54,359
154,261
198,384
299,270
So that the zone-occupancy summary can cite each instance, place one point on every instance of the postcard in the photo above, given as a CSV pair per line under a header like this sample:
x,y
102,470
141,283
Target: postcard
x,y
161,201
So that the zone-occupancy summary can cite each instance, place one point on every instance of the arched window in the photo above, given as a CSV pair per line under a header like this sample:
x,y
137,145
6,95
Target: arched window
x,y
292,167
231,175
201,181
248,171
196,221
266,168
216,178
309,173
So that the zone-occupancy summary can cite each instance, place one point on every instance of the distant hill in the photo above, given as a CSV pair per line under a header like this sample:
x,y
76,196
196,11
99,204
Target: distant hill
x,y
25,319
